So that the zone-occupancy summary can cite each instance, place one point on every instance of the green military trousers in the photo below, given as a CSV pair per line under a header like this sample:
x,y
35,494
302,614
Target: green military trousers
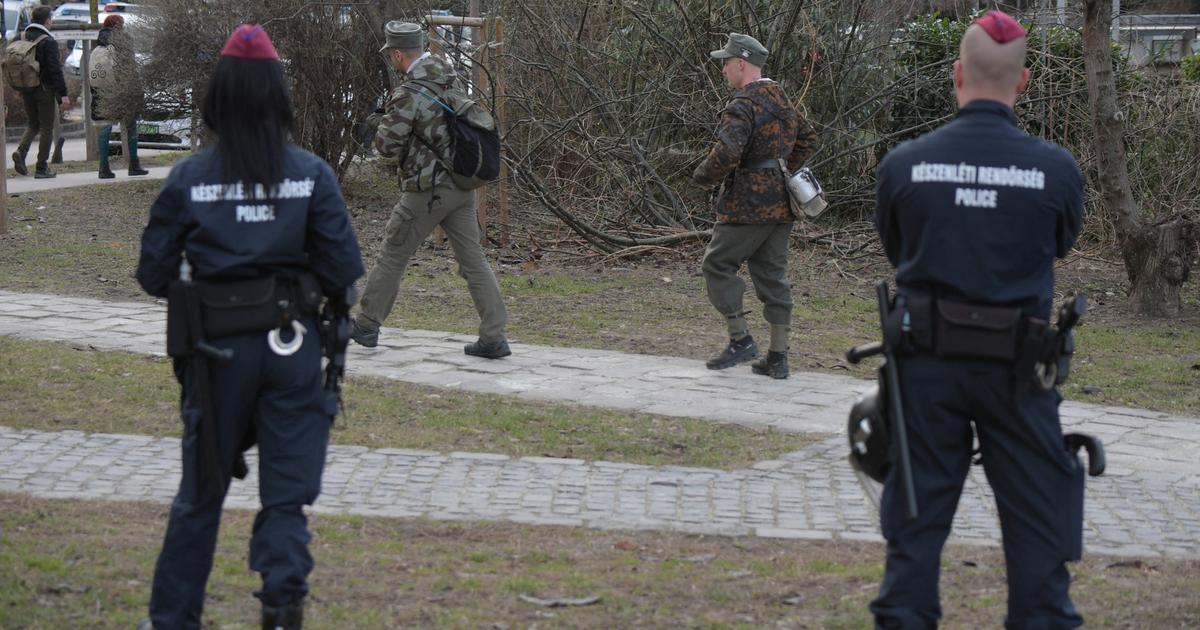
x,y
764,248
412,220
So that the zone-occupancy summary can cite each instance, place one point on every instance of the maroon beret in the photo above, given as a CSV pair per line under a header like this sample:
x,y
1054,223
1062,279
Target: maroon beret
x,y
249,41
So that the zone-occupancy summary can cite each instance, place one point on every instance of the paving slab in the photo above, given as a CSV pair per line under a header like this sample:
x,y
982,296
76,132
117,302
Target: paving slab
x,y
1147,504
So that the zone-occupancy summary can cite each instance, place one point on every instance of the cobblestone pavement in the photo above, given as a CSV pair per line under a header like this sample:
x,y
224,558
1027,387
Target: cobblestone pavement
x,y
1147,504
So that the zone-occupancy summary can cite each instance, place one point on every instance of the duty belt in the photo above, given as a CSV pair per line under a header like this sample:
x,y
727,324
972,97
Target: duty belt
x,y
1040,353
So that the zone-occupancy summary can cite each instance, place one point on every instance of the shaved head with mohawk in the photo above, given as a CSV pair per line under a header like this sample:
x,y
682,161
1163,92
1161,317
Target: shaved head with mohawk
x,y
991,61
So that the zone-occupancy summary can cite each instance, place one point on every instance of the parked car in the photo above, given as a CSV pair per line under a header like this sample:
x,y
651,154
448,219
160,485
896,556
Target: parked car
x,y
165,135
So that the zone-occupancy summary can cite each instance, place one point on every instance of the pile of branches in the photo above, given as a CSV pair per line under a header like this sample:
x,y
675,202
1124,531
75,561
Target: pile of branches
x,y
612,104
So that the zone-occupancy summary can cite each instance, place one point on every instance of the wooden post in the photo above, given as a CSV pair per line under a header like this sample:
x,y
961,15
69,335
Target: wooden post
x,y
498,73
3,158
92,151
481,192
439,235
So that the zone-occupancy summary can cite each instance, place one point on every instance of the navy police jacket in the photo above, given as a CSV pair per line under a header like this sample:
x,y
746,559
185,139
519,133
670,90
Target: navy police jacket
x,y
977,211
237,232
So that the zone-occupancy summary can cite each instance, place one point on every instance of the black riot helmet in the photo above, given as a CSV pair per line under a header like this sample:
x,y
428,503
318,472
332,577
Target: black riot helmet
x,y
867,431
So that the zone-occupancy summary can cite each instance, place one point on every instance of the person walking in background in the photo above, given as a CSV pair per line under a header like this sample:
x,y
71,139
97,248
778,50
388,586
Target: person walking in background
x,y
116,92
413,133
759,135
44,102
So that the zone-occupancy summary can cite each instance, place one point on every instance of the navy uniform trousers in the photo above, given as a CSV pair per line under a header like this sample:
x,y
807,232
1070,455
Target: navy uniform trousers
x,y
282,400
1037,484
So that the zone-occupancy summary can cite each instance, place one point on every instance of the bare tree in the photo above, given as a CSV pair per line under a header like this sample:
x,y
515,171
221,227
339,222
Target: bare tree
x,y
1157,250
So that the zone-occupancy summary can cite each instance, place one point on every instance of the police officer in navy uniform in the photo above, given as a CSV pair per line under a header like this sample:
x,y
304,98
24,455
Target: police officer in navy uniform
x,y
251,207
972,216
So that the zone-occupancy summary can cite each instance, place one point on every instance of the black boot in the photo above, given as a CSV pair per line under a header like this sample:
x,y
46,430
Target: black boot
x,y
44,172
738,351
289,617
488,350
57,157
775,365
106,172
364,337
19,163
135,168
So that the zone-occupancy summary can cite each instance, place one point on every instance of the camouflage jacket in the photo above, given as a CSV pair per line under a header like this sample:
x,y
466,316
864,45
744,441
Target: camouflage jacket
x,y
758,123
412,111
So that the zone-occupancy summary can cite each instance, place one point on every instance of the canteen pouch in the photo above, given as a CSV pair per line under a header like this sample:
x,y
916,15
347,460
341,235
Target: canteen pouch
x,y
972,331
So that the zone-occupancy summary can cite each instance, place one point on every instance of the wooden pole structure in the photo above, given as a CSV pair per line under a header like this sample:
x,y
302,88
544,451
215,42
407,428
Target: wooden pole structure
x,y
476,86
3,159
91,149
498,74
476,22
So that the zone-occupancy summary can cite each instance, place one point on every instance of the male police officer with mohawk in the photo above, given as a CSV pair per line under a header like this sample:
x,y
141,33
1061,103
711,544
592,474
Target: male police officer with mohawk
x,y
972,216
759,134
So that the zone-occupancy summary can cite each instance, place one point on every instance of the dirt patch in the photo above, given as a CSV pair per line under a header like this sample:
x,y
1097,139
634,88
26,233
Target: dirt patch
x,y
89,564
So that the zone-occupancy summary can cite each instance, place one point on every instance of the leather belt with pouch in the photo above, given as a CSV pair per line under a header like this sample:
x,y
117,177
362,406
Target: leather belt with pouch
x,y
958,330
243,307
973,331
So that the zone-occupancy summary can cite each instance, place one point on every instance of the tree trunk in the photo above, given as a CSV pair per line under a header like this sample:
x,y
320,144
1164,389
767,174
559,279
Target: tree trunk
x,y
1157,256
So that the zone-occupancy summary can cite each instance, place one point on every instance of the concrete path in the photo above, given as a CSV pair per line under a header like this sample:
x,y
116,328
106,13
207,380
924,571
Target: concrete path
x,y
74,150
27,184
1147,504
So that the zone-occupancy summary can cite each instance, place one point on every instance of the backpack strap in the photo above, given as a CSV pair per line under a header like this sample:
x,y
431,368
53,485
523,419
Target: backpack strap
x,y
439,160
432,87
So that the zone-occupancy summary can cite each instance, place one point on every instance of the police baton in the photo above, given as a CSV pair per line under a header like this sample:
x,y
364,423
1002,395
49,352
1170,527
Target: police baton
x,y
891,377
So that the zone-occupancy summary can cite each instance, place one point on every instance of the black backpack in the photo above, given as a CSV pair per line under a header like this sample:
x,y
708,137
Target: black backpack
x,y
474,158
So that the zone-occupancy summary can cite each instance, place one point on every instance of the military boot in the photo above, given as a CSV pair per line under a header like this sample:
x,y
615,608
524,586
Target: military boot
x,y
289,617
362,336
106,172
135,168
44,172
738,351
488,350
19,163
56,157
775,365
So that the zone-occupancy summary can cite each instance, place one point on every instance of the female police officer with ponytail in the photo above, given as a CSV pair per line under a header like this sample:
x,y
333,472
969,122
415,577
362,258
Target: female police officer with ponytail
x,y
244,237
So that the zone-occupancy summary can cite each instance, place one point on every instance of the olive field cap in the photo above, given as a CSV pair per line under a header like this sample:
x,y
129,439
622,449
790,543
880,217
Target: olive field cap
x,y
403,35
742,47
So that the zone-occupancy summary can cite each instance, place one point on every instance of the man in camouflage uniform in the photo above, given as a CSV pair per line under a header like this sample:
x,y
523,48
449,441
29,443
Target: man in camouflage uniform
x,y
413,134
759,134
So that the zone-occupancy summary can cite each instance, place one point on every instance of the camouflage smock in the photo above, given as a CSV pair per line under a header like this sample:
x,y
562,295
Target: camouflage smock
x,y
412,110
758,123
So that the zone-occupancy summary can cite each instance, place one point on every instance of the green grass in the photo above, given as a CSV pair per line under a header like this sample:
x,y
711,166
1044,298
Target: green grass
x,y
89,564
59,386
1156,367
85,242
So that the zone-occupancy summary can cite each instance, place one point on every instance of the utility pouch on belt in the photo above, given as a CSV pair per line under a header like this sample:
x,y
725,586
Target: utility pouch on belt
x,y
234,308
974,331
